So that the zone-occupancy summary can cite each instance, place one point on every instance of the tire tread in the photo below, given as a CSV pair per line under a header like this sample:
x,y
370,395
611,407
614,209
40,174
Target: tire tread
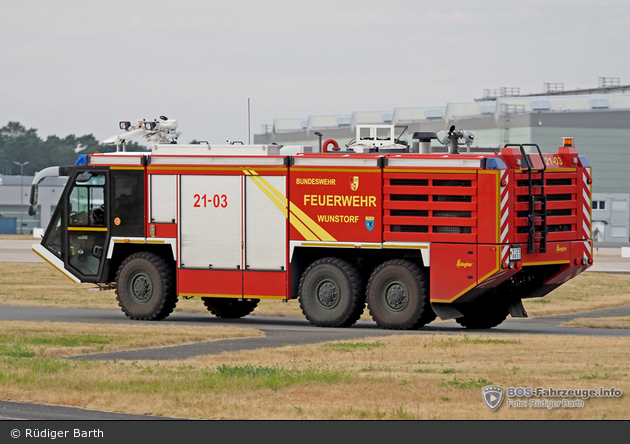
x,y
167,302
426,313
357,303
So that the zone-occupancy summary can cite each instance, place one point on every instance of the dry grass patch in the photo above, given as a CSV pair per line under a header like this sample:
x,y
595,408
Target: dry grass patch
x,y
40,285
586,292
621,322
409,377
22,339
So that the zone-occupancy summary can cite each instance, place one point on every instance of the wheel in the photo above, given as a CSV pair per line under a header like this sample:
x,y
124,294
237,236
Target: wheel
x,y
398,296
230,308
483,316
145,287
330,293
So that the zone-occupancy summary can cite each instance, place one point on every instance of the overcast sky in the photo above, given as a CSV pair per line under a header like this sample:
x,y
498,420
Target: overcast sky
x,y
79,67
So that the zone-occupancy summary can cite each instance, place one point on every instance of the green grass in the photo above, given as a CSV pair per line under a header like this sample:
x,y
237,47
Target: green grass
x,y
351,346
470,383
468,340
451,342
35,372
81,340
22,346
15,351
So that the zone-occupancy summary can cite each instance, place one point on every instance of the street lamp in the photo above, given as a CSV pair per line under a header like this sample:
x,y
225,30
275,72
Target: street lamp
x,y
318,134
21,165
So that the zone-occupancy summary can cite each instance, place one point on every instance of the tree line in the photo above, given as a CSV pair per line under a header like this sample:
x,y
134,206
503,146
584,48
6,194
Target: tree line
x,y
18,144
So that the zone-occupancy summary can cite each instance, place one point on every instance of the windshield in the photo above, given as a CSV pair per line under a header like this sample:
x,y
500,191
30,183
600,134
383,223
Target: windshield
x,y
86,203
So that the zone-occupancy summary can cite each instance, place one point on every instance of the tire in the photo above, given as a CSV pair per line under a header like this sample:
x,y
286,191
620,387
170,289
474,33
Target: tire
x,y
145,287
483,316
229,308
330,293
398,296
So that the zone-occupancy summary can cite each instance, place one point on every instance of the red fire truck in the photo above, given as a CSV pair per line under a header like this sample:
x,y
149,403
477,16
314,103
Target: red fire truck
x,y
409,232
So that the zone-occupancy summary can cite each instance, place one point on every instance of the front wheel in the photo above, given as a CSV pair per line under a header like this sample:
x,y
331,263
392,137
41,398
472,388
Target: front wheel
x,y
398,296
145,287
330,293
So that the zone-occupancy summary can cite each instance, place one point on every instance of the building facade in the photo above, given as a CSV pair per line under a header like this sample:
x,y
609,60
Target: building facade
x,y
14,203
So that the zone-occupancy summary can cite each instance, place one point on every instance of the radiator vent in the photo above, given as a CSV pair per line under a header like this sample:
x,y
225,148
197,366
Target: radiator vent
x,y
410,228
452,230
410,197
451,183
410,182
439,198
409,213
452,214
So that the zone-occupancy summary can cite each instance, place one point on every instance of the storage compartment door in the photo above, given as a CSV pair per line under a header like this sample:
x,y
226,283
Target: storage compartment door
x,y
211,222
265,222
163,198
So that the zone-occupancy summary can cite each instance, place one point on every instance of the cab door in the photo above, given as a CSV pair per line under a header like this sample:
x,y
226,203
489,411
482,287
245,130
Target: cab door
x,y
87,224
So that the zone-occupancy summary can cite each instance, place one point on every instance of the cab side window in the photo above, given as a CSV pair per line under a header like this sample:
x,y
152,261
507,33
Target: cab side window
x,y
127,203
86,203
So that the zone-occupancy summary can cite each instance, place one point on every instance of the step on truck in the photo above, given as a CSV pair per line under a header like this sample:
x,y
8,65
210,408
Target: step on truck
x,y
406,231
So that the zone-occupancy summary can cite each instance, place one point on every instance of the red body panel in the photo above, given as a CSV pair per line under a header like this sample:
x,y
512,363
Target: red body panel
x,y
217,283
336,204
163,230
265,284
453,271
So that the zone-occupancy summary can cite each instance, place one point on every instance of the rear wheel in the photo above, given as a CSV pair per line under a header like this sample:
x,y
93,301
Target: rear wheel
x,y
483,316
230,308
145,287
398,296
330,293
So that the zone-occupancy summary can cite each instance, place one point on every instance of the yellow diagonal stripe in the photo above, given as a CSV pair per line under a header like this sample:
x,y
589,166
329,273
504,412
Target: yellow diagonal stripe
x,y
271,197
306,226
305,232
278,194
310,223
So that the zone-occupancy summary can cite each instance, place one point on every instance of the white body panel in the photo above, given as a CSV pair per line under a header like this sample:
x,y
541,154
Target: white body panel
x,y
53,260
163,198
211,228
265,223
217,150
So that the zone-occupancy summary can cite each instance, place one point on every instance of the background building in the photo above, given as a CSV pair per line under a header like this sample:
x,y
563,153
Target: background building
x,y
611,217
14,201
598,119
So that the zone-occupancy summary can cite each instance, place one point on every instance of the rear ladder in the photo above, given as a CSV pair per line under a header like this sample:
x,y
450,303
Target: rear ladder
x,y
537,213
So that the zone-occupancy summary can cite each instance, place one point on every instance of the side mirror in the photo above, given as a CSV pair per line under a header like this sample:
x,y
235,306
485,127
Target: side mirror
x,y
32,209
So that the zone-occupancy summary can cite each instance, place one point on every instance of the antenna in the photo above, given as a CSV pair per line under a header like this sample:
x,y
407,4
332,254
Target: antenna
x,y
249,125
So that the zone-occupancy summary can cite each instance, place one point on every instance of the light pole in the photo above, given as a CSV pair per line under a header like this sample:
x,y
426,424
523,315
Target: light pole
x,y
318,134
21,165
